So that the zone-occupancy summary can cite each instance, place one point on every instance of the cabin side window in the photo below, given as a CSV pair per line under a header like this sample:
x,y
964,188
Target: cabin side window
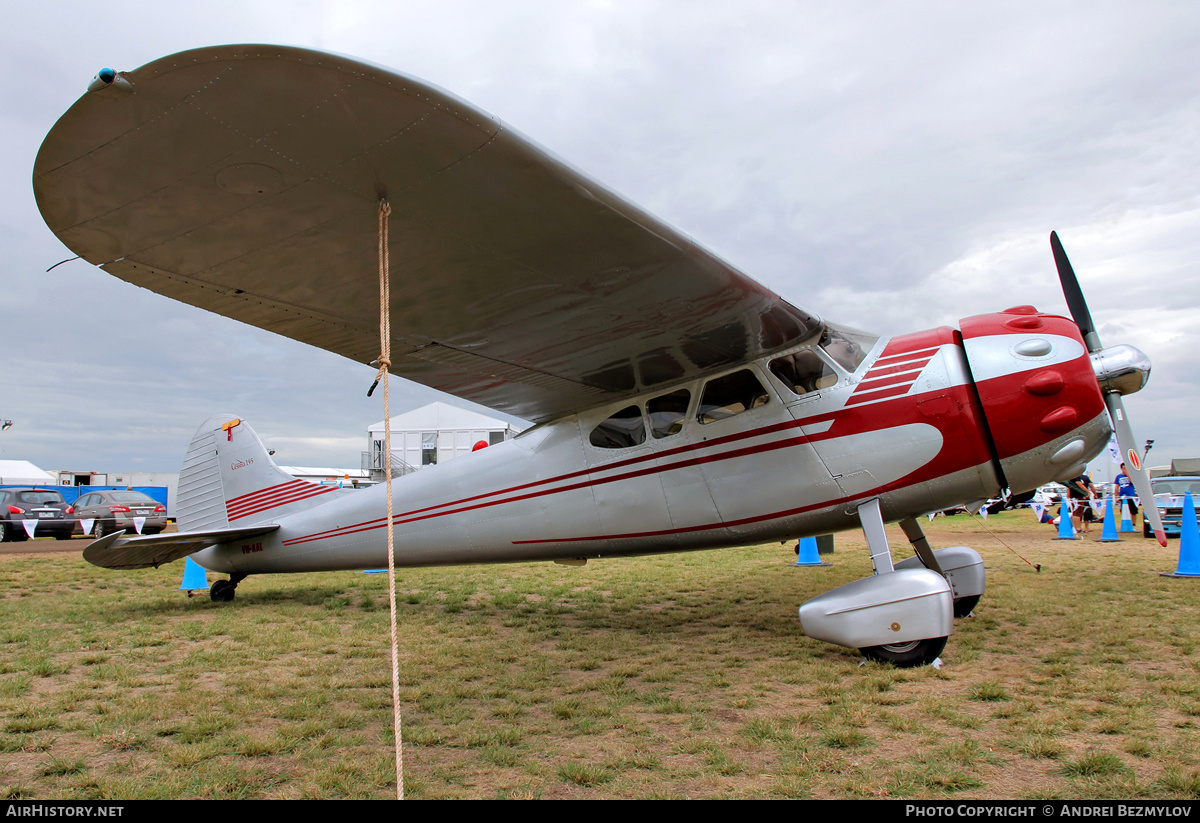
x,y
667,411
624,429
730,395
803,371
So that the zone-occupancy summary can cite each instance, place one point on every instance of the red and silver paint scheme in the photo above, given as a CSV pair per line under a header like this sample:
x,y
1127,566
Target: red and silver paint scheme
x,y
246,180
927,421
909,427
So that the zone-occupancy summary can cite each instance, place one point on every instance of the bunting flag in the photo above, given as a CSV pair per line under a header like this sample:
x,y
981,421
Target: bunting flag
x,y
1114,450
86,524
1038,509
1098,507
138,522
983,512
30,527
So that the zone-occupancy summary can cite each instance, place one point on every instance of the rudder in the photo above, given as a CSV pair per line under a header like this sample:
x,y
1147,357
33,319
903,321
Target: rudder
x,y
228,479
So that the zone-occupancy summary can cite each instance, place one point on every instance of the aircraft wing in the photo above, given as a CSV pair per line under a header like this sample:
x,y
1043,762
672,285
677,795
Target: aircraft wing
x,y
245,180
116,551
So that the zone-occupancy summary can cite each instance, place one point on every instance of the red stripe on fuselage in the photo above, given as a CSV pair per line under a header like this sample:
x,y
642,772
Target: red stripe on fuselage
x,y
695,461
954,456
861,397
876,379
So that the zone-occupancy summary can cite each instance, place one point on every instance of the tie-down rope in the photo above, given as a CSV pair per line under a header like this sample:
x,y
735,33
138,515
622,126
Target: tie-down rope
x,y
385,362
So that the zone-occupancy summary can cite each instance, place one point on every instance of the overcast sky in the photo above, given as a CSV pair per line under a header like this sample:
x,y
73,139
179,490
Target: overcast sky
x,y
888,166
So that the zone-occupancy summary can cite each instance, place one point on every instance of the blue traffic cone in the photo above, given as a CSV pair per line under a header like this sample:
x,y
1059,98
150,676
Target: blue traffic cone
x,y
1109,535
1189,541
1066,529
1126,516
194,576
807,554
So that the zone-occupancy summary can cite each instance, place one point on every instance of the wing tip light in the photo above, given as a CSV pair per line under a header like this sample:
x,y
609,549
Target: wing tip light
x,y
103,79
109,77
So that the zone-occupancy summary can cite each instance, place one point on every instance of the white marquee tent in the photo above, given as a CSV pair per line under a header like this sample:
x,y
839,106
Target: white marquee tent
x,y
434,434
24,473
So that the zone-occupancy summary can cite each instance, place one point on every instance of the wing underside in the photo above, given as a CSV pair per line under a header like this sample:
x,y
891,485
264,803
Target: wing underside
x,y
245,180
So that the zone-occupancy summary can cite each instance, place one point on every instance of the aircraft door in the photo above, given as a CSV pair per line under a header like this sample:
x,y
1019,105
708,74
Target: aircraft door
x,y
811,390
756,463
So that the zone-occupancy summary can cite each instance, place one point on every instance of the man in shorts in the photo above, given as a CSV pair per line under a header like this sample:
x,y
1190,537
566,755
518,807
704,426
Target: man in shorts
x,y
1127,495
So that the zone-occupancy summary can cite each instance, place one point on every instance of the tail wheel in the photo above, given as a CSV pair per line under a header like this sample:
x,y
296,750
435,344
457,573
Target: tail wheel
x,y
907,655
222,591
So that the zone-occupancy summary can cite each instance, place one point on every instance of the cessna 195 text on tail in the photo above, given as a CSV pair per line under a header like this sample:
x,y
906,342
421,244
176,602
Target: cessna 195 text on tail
x,y
678,404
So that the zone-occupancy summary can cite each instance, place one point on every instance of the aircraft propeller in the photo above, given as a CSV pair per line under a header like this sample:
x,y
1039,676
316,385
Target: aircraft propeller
x,y
1120,370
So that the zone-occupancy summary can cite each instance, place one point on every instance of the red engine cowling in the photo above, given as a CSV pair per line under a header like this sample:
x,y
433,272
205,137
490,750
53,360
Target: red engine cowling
x,y
1039,394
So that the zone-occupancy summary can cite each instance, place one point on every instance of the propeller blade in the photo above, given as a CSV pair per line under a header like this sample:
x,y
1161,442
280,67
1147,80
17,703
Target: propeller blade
x,y
1133,464
1075,300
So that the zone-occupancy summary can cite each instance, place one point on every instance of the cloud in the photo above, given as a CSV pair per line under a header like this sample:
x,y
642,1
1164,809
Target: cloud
x,y
890,167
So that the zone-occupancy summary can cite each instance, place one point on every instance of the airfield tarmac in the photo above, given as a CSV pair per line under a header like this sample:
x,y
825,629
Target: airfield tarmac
x,y
670,676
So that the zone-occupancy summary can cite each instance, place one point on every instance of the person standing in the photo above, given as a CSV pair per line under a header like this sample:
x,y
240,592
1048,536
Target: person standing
x,y
1127,494
1082,491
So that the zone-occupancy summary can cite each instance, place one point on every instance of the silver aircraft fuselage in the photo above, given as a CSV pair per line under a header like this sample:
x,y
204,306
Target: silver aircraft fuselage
x,y
907,427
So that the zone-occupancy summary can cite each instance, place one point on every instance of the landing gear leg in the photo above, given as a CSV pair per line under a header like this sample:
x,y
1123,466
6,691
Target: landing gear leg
x,y
902,615
961,566
222,591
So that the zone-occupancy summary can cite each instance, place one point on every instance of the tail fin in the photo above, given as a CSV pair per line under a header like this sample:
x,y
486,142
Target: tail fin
x,y
228,479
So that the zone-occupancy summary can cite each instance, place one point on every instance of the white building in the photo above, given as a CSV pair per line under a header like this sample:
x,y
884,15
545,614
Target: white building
x,y
433,434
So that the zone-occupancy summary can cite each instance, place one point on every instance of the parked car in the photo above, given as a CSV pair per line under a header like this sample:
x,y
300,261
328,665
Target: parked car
x,y
116,510
1168,496
53,515
1050,494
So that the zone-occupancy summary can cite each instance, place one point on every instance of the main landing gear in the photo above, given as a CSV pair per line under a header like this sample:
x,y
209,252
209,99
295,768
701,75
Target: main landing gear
x,y
904,614
222,591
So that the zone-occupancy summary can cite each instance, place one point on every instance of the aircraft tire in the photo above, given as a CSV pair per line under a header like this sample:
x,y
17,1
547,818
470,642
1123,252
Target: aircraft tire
x,y
963,606
907,655
222,591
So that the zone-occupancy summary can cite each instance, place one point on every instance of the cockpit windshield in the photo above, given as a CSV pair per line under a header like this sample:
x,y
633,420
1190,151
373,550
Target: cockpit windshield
x,y
848,347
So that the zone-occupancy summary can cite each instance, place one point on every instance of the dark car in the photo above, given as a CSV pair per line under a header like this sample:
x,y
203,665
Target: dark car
x,y
120,509
1168,496
54,517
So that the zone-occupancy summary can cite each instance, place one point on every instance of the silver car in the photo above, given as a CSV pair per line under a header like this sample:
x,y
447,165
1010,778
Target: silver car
x,y
120,509
1168,496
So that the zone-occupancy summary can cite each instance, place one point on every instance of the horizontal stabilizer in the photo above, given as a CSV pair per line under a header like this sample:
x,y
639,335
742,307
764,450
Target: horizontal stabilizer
x,y
116,551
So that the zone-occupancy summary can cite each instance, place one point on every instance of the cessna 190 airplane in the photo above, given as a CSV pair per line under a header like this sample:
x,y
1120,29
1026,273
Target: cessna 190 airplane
x,y
679,405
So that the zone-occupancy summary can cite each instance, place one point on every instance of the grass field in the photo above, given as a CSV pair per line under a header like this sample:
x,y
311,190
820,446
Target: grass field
x,y
673,676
